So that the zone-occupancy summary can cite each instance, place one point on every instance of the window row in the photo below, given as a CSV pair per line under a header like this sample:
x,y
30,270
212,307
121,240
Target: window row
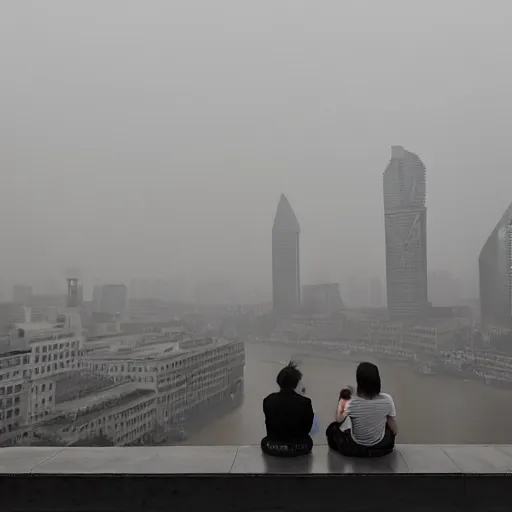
x,y
57,346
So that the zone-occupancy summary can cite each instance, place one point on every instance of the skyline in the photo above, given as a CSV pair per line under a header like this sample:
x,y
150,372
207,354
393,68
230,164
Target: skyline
x,y
283,206
315,277
135,137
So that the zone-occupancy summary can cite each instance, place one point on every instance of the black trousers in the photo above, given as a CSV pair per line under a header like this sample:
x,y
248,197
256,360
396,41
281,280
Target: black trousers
x,y
342,442
292,448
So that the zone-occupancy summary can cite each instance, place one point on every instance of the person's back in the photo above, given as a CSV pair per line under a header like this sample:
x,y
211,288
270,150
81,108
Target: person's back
x,y
372,416
369,418
289,417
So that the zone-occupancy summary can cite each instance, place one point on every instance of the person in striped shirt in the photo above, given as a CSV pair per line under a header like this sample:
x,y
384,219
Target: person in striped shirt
x,y
372,415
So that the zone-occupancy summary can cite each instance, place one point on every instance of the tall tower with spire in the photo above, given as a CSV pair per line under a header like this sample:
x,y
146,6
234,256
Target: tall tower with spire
x,y
285,260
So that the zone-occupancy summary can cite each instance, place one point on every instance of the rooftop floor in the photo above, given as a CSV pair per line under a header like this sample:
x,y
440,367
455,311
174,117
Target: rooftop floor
x,y
240,479
237,460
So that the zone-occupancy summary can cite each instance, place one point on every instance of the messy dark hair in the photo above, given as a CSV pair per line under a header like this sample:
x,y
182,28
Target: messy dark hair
x,y
289,377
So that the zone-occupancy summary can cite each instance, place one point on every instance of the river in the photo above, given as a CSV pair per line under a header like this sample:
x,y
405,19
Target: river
x,y
430,409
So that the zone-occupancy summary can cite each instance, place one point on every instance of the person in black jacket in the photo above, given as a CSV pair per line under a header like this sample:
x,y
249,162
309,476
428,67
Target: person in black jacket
x,y
288,417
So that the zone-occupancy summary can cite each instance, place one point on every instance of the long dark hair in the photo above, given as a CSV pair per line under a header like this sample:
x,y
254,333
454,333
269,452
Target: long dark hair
x,y
368,380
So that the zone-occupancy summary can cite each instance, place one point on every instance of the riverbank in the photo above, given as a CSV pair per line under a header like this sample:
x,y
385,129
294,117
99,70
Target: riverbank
x,y
438,409
424,364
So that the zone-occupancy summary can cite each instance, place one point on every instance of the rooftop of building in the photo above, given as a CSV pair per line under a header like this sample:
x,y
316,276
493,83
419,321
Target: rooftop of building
x,y
42,331
12,353
81,410
144,352
74,384
99,397
237,460
219,478
157,349
30,327
65,419
120,338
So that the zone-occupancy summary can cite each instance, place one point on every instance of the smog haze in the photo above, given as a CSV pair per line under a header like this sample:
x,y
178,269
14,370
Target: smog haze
x,y
155,138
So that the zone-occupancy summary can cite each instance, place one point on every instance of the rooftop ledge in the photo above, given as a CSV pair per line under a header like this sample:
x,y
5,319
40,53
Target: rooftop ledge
x,y
222,460
414,477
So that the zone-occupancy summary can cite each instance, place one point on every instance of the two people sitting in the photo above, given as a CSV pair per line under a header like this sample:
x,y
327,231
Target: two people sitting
x,y
289,417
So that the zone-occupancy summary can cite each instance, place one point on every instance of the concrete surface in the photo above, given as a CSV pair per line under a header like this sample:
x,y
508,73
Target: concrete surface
x,y
204,460
415,478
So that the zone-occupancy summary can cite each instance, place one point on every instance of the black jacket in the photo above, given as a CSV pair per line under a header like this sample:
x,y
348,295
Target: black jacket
x,y
288,415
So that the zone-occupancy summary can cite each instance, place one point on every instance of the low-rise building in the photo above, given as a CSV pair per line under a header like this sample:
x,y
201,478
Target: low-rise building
x,y
312,327
188,374
123,414
54,349
385,334
429,338
14,376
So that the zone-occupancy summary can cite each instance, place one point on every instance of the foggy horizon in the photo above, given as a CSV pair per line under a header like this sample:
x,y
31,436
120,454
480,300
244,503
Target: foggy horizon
x,y
155,139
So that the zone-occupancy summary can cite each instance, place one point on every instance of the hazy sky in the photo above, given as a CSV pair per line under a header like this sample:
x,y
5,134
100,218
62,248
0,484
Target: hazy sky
x,y
155,137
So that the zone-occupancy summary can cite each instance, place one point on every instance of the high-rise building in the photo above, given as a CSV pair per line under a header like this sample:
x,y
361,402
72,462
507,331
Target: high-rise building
x,y
495,273
405,215
285,260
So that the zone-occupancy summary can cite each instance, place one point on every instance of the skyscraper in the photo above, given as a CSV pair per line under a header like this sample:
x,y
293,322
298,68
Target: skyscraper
x,y
406,234
285,260
495,274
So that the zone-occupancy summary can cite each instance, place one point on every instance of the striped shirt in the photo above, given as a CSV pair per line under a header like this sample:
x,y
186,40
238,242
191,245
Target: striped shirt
x,y
369,417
